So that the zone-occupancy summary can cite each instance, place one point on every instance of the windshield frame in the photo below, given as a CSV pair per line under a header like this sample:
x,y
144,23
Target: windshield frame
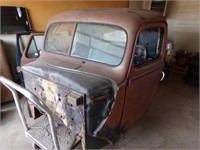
x,y
73,38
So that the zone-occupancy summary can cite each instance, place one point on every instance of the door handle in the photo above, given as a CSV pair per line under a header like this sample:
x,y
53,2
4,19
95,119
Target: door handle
x,y
163,75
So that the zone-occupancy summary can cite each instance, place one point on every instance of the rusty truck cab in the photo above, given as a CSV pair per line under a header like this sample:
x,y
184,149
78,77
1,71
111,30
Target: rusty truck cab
x,y
98,71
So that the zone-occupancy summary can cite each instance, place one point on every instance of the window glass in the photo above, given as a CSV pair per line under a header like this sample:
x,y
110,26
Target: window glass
x,y
58,39
35,46
100,43
148,46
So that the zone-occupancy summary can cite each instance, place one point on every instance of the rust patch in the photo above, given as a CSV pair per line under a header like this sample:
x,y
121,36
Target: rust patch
x,y
65,114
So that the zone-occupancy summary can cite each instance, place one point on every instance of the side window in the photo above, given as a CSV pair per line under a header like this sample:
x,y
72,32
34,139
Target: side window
x,y
149,45
35,46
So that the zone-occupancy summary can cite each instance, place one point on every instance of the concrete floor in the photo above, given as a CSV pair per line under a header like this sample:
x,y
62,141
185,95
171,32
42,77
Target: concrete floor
x,y
172,122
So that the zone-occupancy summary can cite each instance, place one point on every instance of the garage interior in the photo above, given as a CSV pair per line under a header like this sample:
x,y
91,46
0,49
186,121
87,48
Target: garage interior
x,y
172,120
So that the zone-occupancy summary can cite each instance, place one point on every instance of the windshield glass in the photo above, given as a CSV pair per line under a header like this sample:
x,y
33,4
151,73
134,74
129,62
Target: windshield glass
x,y
96,42
58,39
101,43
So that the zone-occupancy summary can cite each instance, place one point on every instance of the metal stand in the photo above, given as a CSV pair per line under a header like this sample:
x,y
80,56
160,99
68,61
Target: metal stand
x,y
41,138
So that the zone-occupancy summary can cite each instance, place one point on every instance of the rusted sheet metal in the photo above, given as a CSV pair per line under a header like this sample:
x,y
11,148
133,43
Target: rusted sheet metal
x,y
111,128
137,102
111,16
56,99
85,116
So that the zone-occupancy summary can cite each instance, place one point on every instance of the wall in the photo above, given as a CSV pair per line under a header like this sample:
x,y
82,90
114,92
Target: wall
x,y
41,11
139,4
183,21
136,4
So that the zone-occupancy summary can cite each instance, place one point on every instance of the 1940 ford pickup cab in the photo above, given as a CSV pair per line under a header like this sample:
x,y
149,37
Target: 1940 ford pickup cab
x,y
96,75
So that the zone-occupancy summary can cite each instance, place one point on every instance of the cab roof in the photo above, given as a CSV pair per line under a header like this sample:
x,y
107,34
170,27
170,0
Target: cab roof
x,y
121,17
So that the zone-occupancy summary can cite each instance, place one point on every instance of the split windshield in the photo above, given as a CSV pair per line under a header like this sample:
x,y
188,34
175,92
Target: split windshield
x,y
95,42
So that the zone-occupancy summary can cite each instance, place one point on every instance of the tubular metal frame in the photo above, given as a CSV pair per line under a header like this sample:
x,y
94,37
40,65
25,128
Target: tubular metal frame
x,y
13,87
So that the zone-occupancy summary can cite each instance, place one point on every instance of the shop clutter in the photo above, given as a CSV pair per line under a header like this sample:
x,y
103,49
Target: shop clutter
x,y
187,64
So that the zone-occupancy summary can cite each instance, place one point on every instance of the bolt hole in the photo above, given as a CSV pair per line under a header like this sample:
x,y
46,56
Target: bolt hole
x,y
35,89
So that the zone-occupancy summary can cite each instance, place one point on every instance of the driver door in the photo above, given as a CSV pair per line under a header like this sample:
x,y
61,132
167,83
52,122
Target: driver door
x,y
145,72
